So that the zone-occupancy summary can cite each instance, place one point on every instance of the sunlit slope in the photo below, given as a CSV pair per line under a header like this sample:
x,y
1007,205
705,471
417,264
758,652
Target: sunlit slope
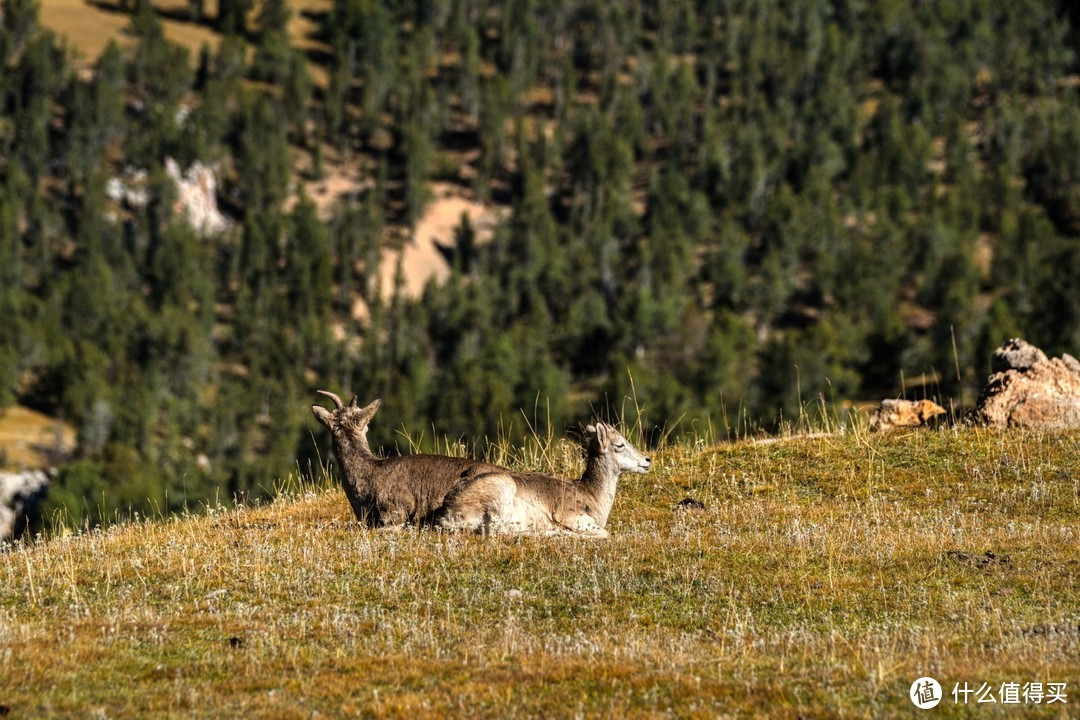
x,y
821,578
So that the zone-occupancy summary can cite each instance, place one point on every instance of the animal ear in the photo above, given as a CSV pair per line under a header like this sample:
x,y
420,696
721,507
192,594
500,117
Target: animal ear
x,y
369,411
355,403
590,430
322,415
603,435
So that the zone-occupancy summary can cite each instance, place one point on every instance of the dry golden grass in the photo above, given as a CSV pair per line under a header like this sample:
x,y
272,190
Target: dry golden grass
x,y
821,578
88,27
31,440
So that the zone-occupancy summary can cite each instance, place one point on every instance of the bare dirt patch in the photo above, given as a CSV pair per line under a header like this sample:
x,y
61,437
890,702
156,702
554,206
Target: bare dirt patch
x,y
339,180
421,258
986,560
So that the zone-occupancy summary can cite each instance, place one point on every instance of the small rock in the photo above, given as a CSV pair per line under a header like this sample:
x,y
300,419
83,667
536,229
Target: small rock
x,y
894,413
690,504
20,492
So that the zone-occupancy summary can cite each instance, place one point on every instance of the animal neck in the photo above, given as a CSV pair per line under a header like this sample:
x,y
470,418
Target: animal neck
x,y
361,448
356,459
356,467
599,480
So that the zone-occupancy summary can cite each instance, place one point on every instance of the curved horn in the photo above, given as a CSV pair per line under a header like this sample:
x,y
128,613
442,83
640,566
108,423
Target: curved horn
x,y
337,400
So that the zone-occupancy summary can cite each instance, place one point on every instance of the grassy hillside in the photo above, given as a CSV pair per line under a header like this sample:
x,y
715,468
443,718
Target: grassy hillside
x,y
821,578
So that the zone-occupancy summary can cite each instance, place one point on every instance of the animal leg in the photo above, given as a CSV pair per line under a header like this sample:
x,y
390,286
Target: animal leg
x,y
586,525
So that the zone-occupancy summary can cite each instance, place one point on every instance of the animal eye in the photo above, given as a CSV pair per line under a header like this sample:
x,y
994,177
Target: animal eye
x,y
620,446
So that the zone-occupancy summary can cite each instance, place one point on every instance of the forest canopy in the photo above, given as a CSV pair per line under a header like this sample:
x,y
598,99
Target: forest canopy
x,y
725,210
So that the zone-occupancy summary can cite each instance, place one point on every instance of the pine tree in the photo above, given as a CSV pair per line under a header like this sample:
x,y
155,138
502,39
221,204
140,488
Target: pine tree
x,y
232,16
12,300
160,74
273,53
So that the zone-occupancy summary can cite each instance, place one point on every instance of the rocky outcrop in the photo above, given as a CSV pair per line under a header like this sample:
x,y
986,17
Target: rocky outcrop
x,y
128,190
1029,390
894,413
196,194
19,492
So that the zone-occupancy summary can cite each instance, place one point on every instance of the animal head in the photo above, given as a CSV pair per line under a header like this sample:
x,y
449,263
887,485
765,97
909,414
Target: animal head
x,y
605,441
347,423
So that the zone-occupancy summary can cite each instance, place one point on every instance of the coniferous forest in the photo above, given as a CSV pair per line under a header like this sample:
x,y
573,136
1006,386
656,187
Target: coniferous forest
x,y
725,209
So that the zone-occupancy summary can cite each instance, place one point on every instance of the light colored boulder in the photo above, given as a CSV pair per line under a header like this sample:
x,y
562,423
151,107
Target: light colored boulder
x,y
18,493
1029,390
197,196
